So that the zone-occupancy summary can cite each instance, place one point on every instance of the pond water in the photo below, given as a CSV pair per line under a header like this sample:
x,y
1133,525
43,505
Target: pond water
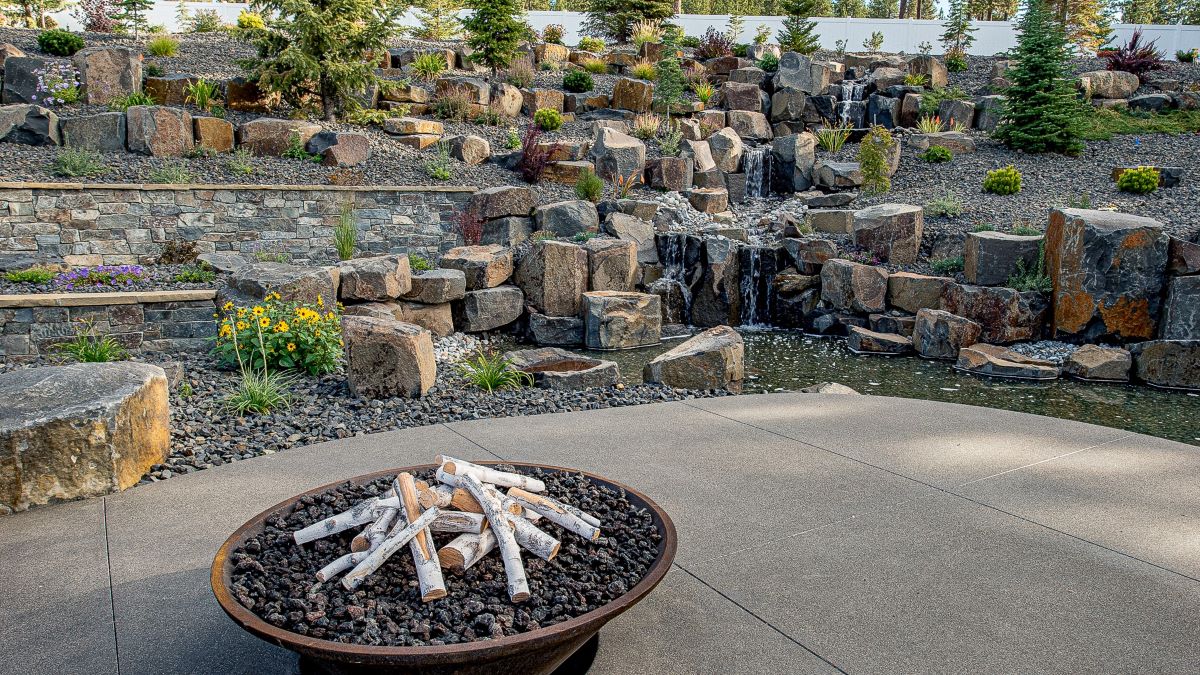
x,y
787,361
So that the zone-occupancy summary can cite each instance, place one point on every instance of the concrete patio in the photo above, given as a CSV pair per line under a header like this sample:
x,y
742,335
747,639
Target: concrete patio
x,y
883,535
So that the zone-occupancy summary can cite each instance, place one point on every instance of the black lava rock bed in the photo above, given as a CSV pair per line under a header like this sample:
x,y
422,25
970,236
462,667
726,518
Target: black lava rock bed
x,y
275,578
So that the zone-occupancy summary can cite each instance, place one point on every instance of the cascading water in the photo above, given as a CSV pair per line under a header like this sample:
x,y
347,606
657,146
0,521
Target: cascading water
x,y
677,253
851,108
759,265
757,166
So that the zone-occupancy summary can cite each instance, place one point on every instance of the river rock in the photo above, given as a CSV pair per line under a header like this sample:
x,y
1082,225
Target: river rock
x,y
559,369
554,275
714,359
386,358
270,137
1005,314
890,231
158,131
80,430
1168,363
437,286
985,359
1181,313
505,200
488,308
612,264
938,334
483,266
1108,271
1093,362
847,285
108,73
292,282
872,342
567,218
990,258
614,320
384,277
912,292
29,125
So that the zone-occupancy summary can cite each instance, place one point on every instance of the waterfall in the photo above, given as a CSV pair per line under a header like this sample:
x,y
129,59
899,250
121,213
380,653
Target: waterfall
x,y
848,112
758,172
758,269
674,251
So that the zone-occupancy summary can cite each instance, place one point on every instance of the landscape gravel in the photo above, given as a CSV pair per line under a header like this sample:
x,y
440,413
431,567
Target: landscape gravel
x,y
275,578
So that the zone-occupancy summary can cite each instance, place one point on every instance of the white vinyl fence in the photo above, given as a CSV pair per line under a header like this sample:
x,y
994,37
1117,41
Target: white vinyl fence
x,y
899,35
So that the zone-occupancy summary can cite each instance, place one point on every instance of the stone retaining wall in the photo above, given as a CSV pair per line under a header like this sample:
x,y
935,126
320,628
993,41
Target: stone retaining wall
x,y
154,321
90,224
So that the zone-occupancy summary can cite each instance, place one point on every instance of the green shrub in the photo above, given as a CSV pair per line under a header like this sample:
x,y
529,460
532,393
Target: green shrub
x,y
1141,180
577,81
689,41
240,162
296,150
548,119
438,167
59,42
419,263
123,103
956,63
984,227
453,105
946,206
363,117
171,173
591,44
937,154
769,62
88,347
1033,278
203,21
33,275
152,70
201,94
492,372
250,21
873,153
932,98
260,392
345,233
553,33
947,266
163,46
512,140
199,273
294,335
595,66
589,186
520,74
76,162
1026,231
831,139
1006,181
428,66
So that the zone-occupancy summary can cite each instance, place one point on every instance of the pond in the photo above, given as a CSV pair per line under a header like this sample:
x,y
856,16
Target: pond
x,y
778,360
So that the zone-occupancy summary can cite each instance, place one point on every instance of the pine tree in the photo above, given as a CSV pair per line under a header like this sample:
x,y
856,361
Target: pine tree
x,y
325,48
439,20
1042,113
614,19
883,9
1089,23
992,10
669,85
850,8
32,13
798,34
958,35
133,14
495,30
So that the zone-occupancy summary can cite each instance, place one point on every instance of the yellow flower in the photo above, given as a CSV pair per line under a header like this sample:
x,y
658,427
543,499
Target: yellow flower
x,y
274,296
281,327
225,331
241,312
264,322
317,332
330,316
320,301
291,346
242,325
258,310
340,343
227,306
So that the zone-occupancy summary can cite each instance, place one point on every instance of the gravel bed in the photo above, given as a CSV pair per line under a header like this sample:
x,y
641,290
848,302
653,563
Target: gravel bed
x,y
1050,350
274,577
161,278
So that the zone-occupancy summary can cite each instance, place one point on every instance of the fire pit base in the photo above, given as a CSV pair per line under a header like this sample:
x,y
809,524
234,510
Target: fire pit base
x,y
578,663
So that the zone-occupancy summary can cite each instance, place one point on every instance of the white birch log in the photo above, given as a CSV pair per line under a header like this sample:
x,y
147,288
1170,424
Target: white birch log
x,y
446,496
374,533
506,542
458,467
567,517
466,550
458,521
402,533
459,485
361,513
424,551
527,534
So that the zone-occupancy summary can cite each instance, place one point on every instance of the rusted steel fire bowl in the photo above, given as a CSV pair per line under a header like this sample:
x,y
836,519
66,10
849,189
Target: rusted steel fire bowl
x,y
534,652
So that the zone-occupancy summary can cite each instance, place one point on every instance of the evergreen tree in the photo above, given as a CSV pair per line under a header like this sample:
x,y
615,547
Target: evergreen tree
x,y
133,15
1042,112
798,34
495,30
1139,11
822,8
883,9
958,35
439,20
1089,23
325,48
669,85
850,8
992,10
614,19
32,13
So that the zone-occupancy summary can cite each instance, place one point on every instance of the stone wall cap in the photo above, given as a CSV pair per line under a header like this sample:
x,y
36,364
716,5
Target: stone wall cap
x,y
93,299
236,186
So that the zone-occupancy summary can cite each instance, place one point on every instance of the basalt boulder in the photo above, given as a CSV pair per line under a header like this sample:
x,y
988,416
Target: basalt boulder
x,y
714,359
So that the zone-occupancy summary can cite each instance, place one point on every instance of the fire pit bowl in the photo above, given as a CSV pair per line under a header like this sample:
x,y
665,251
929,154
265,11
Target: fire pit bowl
x,y
534,652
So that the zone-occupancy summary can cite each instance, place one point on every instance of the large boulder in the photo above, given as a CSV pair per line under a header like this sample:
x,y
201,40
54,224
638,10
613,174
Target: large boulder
x,y
633,229
985,359
1005,314
938,334
506,231
312,285
714,359
702,156
538,98
437,286
837,175
554,276
952,112
437,319
158,131
634,95
474,90
1108,271
851,286
568,218
386,358
483,266
864,341
798,71
752,126
792,160
957,142
912,292
717,299
505,200
615,320
709,200
809,254
1181,313
21,79
559,369
489,308
217,134
935,72
990,258
336,148
612,264
469,149
1093,362
890,231
671,174
384,277
80,430
1168,363
726,147
270,137
989,111
108,73
1109,83
788,105
507,99
29,125
741,96
556,331
170,89
617,155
